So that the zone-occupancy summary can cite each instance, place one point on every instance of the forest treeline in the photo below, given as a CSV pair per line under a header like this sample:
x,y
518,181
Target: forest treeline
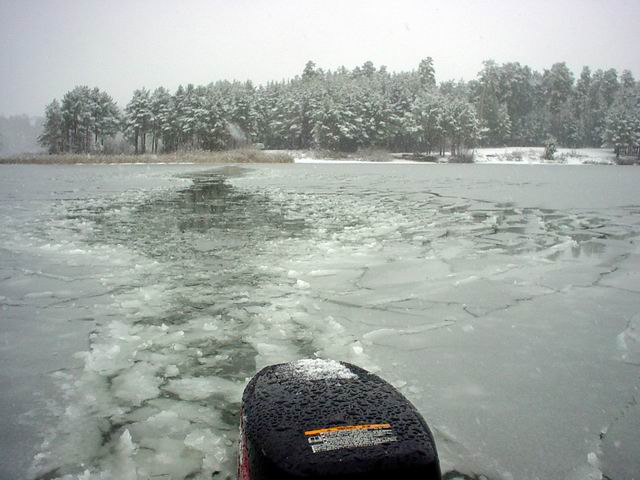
x,y
366,107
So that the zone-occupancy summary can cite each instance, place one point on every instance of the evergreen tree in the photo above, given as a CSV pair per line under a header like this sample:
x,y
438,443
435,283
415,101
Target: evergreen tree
x,y
52,137
428,113
427,73
161,106
622,124
137,121
309,71
78,120
601,97
582,107
492,110
106,118
557,87
622,130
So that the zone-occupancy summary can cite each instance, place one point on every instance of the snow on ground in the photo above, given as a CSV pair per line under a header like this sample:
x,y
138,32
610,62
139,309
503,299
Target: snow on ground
x,y
533,155
302,159
503,303
502,155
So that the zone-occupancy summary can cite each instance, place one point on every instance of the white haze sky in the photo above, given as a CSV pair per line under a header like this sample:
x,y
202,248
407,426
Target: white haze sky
x,y
49,46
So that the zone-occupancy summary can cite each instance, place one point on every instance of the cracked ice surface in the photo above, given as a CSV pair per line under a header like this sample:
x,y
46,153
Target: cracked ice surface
x,y
503,301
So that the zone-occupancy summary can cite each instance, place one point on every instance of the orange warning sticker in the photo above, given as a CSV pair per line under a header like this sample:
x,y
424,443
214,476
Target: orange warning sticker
x,y
350,436
348,427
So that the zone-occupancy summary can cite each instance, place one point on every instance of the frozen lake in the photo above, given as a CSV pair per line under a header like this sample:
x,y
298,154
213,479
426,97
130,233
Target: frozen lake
x,y
136,302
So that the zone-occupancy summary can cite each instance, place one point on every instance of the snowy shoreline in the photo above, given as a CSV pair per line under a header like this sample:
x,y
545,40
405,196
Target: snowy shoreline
x,y
491,156
499,155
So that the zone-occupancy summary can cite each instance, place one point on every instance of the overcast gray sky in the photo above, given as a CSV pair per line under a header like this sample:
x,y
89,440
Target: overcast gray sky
x,y
49,46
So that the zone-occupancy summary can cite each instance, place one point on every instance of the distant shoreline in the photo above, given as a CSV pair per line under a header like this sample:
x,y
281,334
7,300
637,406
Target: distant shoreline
x,y
482,156
219,157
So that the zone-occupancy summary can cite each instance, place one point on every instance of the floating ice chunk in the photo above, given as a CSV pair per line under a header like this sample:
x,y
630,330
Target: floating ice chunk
x,y
86,475
323,273
399,384
104,359
212,446
168,458
402,338
469,279
201,440
189,411
628,342
585,472
137,384
125,444
302,285
592,458
199,388
270,353
379,334
165,423
171,371
319,369
39,295
125,465
122,331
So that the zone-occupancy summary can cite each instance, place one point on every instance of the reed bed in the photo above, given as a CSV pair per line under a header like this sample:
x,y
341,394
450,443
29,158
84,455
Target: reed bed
x,y
225,156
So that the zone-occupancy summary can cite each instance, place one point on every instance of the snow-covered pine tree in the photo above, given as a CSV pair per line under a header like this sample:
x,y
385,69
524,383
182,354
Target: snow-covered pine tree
x,y
78,119
106,116
427,73
52,137
137,119
161,105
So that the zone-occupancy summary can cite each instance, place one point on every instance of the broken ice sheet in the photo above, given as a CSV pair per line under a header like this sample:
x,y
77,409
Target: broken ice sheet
x,y
496,302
